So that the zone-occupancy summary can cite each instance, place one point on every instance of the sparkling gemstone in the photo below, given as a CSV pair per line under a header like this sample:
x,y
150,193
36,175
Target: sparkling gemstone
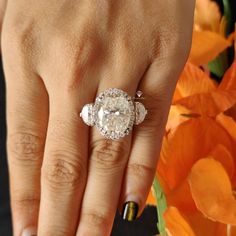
x,y
139,93
140,113
114,115
87,114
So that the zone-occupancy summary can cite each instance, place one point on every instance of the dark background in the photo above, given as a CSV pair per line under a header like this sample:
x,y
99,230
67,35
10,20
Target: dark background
x,y
145,226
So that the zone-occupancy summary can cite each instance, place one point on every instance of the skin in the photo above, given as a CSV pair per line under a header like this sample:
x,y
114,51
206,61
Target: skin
x,y
65,178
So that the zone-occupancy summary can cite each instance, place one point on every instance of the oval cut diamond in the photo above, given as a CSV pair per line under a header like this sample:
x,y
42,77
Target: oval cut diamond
x,y
114,111
114,114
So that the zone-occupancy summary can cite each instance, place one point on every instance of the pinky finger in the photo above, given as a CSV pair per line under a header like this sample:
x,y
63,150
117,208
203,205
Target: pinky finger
x,y
147,138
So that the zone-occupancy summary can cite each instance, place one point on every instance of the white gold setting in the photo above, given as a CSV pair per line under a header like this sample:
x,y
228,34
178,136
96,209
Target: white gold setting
x,y
114,113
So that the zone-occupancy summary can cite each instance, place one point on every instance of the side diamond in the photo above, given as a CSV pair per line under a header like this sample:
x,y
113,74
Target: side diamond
x,y
139,93
87,114
140,113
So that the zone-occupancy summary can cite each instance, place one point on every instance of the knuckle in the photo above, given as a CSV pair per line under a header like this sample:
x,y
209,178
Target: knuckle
x,y
108,153
95,218
22,201
56,230
19,35
25,147
64,170
78,51
140,170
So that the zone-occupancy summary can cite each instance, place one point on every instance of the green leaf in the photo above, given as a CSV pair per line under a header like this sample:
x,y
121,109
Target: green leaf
x,y
219,65
228,16
161,206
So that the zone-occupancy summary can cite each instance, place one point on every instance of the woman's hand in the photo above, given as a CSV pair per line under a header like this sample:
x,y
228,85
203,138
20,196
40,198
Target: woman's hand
x,y
58,55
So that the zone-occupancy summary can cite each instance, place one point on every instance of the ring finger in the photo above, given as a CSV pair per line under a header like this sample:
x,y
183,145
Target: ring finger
x,y
107,163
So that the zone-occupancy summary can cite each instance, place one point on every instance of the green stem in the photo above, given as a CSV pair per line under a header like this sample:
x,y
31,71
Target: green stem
x,y
161,206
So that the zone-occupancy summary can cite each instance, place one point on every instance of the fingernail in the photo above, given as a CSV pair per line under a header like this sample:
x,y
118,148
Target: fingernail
x,y
30,231
130,211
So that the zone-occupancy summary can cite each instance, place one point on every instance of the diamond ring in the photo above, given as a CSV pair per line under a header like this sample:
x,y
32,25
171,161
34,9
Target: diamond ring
x,y
114,113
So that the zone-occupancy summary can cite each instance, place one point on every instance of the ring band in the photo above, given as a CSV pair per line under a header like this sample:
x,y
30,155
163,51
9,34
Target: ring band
x,y
114,113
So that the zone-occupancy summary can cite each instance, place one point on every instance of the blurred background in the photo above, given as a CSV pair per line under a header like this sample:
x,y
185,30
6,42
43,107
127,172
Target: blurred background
x,y
145,226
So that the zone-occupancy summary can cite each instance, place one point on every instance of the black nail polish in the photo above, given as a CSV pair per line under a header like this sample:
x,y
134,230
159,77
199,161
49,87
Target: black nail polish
x,y
130,211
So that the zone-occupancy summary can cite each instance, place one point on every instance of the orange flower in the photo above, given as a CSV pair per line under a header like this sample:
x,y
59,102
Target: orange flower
x,y
176,224
201,96
209,33
206,45
212,191
197,166
207,16
197,172
191,140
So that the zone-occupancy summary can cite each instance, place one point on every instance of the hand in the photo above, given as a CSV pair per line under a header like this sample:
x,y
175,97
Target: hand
x,y
65,178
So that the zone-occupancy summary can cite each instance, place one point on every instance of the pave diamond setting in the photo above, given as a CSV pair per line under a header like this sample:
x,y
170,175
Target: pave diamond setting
x,y
114,113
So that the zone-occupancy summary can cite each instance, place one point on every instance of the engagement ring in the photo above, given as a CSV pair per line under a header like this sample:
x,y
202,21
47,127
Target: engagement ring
x,y
114,113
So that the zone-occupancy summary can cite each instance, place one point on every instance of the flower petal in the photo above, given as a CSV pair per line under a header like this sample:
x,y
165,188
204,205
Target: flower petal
x,y
231,230
181,198
221,154
207,15
203,226
228,123
193,80
191,140
206,46
229,80
212,191
176,224
209,104
151,199
177,115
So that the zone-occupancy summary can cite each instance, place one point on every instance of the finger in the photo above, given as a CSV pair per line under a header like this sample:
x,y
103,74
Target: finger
x,y
107,163
27,114
64,168
3,4
157,85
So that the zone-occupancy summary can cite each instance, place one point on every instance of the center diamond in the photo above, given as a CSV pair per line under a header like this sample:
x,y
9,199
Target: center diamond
x,y
114,114
114,111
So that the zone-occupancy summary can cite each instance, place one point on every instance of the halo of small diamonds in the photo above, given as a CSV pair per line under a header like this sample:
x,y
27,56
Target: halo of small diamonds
x,y
114,113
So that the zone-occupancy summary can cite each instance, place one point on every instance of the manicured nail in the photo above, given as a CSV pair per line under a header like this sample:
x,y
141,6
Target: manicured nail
x,y
31,231
130,211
